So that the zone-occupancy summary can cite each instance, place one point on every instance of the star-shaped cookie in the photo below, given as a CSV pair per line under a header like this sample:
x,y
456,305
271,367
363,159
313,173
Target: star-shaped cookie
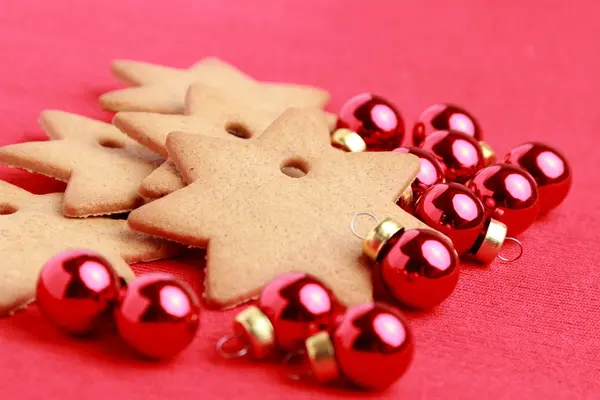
x,y
208,112
162,89
103,167
33,229
258,222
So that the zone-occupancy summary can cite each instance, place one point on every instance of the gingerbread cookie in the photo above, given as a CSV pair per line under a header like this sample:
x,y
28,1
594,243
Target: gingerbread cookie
x,y
103,167
33,229
162,89
208,112
258,222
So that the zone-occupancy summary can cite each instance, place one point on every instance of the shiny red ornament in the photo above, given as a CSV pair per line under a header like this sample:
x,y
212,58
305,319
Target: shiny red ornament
x,y
375,119
548,167
431,172
459,154
509,195
158,315
455,211
291,308
298,305
445,117
76,289
420,269
372,347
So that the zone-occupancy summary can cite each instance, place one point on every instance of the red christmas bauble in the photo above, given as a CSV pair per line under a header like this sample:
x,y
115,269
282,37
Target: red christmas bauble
x,y
509,194
458,153
298,306
548,167
373,346
431,172
375,119
454,210
76,289
158,315
445,117
420,269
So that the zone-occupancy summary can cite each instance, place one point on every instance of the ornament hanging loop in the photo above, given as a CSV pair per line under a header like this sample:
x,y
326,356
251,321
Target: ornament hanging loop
x,y
223,343
353,223
519,254
289,361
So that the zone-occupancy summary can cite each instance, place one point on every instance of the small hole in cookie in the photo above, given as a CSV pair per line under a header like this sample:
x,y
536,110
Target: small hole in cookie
x,y
295,168
238,130
111,144
7,209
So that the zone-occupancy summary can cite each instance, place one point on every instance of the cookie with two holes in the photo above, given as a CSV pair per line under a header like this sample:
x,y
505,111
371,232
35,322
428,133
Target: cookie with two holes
x,y
258,222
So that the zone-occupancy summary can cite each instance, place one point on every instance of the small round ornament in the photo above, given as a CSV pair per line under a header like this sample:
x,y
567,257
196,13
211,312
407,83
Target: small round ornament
x,y
445,117
376,120
431,172
509,195
458,153
158,315
291,308
548,167
372,347
76,289
454,210
418,267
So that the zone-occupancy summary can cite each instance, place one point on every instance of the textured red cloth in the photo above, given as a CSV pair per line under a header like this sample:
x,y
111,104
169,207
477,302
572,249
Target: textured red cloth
x,y
527,69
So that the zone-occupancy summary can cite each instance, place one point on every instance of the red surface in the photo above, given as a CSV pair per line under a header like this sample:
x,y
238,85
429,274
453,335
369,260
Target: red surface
x,y
528,70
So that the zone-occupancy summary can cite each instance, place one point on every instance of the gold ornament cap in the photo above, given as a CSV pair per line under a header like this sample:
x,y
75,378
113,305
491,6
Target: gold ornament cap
x,y
321,357
254,328
489,155
406,200
376,239
492,242
348,140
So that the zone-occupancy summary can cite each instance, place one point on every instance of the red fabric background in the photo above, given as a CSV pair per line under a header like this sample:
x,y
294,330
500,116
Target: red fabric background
x,y
527,69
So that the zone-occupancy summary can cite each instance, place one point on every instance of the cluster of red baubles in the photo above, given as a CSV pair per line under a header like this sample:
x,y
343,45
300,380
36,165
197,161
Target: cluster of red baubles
x,y
369,345
157,315
460,189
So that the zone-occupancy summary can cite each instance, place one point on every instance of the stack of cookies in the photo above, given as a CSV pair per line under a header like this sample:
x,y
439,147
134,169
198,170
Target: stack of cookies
x,y
205,157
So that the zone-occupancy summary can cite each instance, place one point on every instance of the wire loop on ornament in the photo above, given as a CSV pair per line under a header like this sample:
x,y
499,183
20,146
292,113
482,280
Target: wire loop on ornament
x,y
508,260
353,221
221,344
287,362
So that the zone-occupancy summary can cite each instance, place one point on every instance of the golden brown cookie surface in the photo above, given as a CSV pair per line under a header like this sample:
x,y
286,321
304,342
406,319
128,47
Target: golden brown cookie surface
x,y
33,229
259,222
208,112
162,89
103,167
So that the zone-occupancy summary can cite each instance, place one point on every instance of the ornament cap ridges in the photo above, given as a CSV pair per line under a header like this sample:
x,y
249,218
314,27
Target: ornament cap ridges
x,y
377,238
321,356
253,326
348,140
489,155
492,242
